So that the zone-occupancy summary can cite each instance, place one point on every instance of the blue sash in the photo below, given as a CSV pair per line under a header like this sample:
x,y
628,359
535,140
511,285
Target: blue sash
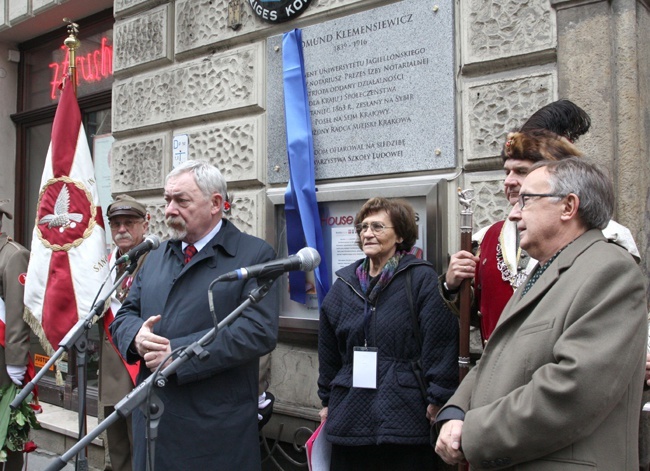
x,y
300,207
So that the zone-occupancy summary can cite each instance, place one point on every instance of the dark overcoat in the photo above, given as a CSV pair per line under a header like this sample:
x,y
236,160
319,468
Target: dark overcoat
x,y
210,406
395,412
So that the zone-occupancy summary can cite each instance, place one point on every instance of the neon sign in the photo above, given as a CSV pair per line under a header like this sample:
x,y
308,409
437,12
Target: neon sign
x,y
95,66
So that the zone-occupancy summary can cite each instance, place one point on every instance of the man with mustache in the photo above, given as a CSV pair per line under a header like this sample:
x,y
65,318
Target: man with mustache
x,y
210,403
129,222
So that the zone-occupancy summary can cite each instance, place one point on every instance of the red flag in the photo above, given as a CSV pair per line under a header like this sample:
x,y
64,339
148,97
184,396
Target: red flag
x,y
68,262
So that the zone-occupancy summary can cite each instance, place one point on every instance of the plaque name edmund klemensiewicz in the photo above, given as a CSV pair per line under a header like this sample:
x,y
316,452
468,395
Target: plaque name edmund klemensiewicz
x,y
381,92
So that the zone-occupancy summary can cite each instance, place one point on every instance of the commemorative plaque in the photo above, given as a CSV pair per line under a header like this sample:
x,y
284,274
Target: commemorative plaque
x,y
381,92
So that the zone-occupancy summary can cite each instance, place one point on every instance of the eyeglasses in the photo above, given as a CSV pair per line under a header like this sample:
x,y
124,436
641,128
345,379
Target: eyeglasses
x,y
376,227
128,223
524,197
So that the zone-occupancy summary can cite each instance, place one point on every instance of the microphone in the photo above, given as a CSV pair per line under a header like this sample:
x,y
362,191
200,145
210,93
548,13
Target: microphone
x,y
152,242
305,260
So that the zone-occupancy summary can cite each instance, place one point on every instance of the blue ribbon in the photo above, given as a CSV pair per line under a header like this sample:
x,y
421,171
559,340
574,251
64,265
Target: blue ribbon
x,y
300,206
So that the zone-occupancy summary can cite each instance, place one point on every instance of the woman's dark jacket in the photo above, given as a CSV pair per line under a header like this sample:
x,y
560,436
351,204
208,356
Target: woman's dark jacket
x,y
395,412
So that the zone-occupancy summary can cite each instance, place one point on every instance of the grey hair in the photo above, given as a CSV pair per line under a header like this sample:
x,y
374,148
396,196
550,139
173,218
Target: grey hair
x,y
207,177
592,186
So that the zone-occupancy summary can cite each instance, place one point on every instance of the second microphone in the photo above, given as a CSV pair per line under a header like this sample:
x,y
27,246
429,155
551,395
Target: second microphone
x,y
305,260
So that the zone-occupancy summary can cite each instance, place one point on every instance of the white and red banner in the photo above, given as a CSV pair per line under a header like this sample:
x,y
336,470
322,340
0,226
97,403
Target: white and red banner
x,y
68,258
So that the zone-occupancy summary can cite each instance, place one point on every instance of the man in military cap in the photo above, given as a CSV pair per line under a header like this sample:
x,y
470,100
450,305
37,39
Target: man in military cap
x,y
14,344
129,221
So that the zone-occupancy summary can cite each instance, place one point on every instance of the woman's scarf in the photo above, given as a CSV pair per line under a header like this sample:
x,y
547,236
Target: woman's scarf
x,y
371,287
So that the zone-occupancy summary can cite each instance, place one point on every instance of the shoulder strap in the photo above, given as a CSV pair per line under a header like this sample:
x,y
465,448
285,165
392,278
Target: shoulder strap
x,y
414,316
415,364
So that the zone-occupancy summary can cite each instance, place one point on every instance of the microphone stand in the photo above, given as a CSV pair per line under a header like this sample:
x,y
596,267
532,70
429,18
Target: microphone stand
x,y
155,408
77,338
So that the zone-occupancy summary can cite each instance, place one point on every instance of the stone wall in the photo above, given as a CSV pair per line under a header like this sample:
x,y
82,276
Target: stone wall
x,y
602,63
8,81
180,69
507,72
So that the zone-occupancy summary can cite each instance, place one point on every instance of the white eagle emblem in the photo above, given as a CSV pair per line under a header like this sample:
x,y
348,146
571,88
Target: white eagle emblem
x,y
61,217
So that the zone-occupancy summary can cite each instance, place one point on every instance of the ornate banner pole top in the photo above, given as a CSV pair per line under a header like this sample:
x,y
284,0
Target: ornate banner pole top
x,y
465,198
72,43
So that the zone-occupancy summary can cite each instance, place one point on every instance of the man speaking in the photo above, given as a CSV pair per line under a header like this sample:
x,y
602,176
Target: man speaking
x,y
210,405
559,383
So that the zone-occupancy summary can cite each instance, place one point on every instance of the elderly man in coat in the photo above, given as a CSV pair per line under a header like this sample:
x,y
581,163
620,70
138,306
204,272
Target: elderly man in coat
x,y
129,221
559,384
210,405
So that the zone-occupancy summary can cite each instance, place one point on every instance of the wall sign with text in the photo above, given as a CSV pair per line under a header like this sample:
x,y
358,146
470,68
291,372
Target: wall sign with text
x,y
381,92
278,11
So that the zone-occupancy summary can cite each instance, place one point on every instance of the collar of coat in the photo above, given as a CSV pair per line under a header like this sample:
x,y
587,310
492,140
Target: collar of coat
x,y
5,240
563,261
348,273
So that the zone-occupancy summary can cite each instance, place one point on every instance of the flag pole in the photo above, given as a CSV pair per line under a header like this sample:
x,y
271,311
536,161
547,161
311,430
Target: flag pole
x,y
81,346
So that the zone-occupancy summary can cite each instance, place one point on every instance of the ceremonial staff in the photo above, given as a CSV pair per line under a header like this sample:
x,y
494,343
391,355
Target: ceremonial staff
x,y
465,198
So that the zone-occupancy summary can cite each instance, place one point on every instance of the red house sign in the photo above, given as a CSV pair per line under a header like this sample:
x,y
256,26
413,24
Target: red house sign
x,y
94,66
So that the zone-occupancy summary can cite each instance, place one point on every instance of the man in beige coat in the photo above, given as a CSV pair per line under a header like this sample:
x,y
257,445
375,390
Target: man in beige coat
x,y
559,384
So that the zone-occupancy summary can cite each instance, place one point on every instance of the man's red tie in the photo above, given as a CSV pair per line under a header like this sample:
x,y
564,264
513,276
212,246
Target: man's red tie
x,y
189,252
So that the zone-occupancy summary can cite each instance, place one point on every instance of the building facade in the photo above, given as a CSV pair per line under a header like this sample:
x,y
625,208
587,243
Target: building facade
x,y
192,77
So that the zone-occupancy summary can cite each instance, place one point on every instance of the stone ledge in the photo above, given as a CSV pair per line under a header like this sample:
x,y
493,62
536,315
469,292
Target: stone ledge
x,y
65,422
59,433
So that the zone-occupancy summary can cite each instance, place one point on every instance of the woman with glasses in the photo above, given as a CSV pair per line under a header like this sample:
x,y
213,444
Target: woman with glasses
x,y
387,348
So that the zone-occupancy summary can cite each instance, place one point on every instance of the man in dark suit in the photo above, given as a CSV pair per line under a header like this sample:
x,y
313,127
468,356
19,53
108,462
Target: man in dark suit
x,y
210,405
559,383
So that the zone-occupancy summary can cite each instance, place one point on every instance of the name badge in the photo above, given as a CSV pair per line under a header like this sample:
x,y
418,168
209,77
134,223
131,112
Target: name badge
x,y
364,367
